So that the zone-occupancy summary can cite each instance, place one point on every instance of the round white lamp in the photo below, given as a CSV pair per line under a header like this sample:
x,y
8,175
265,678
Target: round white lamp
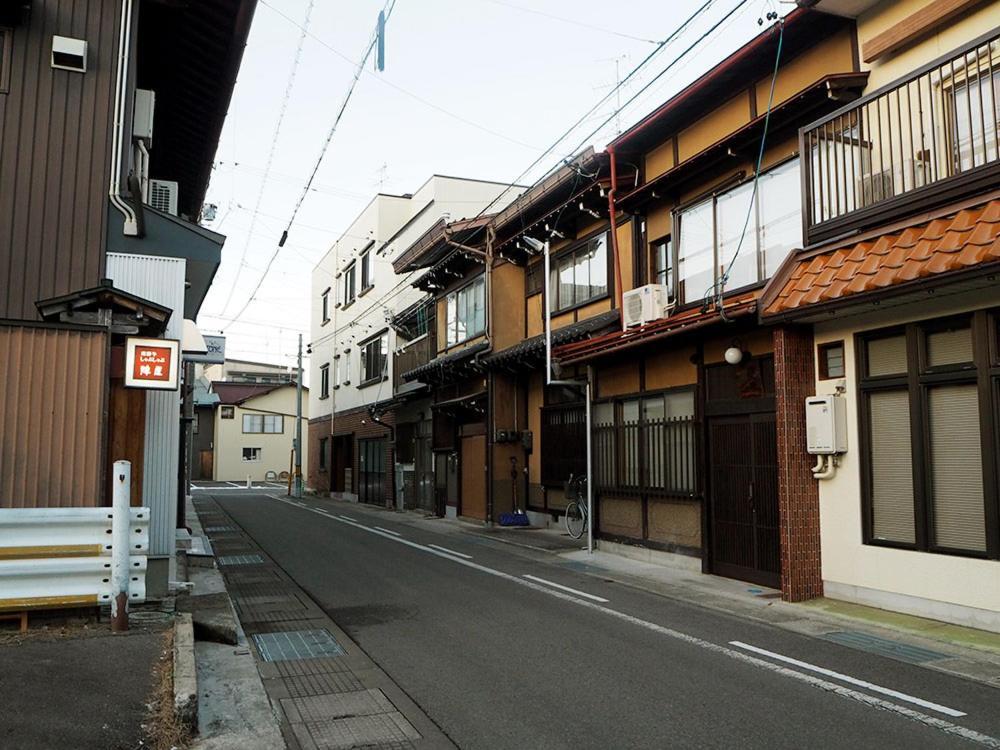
x,y
734,355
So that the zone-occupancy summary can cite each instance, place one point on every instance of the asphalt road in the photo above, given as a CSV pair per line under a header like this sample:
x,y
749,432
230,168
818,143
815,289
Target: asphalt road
x,y
500,660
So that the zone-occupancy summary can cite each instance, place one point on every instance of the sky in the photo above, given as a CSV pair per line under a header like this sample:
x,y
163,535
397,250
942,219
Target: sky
x,y
471,88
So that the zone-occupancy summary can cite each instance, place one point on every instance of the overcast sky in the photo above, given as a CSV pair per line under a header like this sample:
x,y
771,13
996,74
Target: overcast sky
x,y
472,88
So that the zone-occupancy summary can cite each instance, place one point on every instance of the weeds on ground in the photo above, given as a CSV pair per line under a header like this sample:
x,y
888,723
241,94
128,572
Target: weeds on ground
x,y
162,728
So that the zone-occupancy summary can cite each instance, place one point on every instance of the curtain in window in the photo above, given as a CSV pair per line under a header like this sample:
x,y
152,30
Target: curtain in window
x,y
892,467
696,251
956,467
731,210
779,211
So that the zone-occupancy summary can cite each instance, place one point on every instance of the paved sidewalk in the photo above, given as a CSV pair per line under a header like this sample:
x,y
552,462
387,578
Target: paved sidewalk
x,y
329,692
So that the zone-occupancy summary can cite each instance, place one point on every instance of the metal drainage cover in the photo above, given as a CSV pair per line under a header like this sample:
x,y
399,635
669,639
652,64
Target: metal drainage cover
x,y
297,644
240,560
884,647
219,528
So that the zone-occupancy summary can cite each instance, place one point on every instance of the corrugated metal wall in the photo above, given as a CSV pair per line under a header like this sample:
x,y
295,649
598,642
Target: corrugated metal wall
x,y
52,384
55,140
159,280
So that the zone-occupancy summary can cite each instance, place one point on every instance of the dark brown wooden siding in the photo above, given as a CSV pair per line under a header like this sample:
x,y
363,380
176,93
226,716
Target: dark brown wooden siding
x,y
55,138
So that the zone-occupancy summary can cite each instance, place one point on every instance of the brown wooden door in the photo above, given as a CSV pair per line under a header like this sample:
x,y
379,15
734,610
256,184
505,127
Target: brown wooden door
x,y
472,502
744,498
207,464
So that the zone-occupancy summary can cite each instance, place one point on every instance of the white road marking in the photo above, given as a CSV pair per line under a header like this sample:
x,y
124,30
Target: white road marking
x,y
388,531
852,680
451,551
566,588
831,687
237,486
348,518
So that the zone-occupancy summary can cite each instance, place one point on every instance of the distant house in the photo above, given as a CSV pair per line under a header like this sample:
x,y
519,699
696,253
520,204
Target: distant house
x,y
254,431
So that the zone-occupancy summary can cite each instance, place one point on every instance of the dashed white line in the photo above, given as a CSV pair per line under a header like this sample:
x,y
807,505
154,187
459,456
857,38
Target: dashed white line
x,y
584,594
348,518
851,680
451,551
387,531
831,687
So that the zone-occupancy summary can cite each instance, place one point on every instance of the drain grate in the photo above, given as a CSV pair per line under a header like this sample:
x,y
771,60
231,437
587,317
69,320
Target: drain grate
x,y
380,730
297,644
240,560
219,528
884,647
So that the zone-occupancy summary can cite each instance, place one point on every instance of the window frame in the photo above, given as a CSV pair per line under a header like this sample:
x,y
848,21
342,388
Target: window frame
x,y
984,372
572,250
823,365
367,282
263,424
670,270
449,342
325,302
255,456
712,197
6,42
382,339
227,411
336,371
324,380
350,289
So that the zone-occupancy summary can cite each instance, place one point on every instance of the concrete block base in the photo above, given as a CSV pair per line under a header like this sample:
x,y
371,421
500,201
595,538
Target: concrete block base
x,y
653,556
185,673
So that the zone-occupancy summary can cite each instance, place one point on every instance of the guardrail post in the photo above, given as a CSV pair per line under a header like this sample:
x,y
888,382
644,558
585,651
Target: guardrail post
x,y
122,481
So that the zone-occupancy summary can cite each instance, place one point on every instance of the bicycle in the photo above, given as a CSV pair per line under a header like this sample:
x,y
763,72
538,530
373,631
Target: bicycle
x,y
576,507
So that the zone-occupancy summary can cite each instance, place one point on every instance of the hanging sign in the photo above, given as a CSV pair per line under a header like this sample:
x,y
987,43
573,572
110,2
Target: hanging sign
x,y
151,363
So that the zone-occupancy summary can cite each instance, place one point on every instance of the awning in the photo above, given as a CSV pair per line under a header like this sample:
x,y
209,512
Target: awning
x,y
741,306
129,312
449,366
167,236
528,354
475,402
955,243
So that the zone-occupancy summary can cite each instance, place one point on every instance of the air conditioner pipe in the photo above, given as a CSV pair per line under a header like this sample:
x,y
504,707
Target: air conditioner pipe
x,y
131,227
825,467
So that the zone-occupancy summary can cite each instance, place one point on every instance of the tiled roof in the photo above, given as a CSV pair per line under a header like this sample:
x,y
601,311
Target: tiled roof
x,y
564,335
688,320
953,242
235,393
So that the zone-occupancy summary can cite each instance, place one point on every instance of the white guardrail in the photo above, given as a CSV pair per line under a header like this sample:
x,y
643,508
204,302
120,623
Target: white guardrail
x,y
61,557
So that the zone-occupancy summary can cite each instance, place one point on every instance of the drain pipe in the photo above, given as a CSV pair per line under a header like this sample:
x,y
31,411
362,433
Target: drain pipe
x,y
131,228
619,291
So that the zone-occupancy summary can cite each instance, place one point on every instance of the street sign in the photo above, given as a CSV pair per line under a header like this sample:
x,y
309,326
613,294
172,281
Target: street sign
x,y
151,363
215,354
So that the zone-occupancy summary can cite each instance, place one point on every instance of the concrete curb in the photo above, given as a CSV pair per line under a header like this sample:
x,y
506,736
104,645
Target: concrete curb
x,y
185,674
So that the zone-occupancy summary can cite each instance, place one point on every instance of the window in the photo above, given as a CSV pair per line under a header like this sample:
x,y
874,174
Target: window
x,y
350,293
579,275
195,424
326,306
923,422
564,442
5,38
466,312
346,361
975,106
228,412
322,453
251,454
269,424
663,263
710,232
374,359
336,372
831,360
324,381
366,271
647,443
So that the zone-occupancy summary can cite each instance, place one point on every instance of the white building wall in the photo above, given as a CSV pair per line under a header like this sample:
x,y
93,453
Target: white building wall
x,y
228,464
944,587
159,280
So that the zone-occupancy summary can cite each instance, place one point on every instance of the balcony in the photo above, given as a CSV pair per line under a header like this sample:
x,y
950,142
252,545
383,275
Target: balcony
x,y
410,356
921,142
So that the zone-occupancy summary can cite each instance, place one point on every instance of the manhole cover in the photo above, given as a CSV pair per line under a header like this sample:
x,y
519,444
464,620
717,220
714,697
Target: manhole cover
x,y
240,560
297,644
884,647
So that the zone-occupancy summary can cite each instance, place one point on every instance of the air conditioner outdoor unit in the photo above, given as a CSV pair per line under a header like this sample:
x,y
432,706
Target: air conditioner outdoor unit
x,y
876,187
163,196
645,304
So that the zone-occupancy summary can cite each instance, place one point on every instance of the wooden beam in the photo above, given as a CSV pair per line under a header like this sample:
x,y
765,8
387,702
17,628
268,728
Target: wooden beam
x,y
914,26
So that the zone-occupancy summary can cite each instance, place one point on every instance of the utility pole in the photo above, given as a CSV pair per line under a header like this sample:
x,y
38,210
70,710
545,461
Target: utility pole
x,y
298,426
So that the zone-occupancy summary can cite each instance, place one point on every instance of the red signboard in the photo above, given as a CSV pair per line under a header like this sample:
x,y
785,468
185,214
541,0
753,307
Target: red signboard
x,y
151,363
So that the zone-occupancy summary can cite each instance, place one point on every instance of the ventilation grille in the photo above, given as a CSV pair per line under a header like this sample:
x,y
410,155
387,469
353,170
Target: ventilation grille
x,y
163,196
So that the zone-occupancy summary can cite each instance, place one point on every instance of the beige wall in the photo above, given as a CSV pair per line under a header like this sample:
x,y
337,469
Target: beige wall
x,y
275,448
944,587
952,34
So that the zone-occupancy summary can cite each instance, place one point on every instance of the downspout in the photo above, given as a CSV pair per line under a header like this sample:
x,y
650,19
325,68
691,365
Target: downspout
x,y
619,291
131,227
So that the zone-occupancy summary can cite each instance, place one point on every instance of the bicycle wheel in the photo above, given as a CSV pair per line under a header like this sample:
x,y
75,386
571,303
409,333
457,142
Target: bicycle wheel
x,y
576,519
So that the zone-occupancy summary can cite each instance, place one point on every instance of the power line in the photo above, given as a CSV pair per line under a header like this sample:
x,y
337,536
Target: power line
x,y
270,153
572,21
406,92
387,11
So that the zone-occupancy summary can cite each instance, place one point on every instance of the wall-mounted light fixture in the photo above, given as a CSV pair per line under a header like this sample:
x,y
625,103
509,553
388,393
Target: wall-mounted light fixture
x,y
735,354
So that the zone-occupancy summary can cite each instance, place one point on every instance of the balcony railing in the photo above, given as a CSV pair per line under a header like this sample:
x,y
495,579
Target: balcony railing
x,y
412,355
922,141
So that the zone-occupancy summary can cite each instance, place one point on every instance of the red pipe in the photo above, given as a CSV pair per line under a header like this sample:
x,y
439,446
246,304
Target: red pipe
x,y
614,227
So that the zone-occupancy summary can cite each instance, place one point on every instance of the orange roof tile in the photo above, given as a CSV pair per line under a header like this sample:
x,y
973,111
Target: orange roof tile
x,y
961,240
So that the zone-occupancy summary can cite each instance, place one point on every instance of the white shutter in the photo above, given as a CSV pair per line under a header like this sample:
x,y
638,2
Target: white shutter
x,y
892,467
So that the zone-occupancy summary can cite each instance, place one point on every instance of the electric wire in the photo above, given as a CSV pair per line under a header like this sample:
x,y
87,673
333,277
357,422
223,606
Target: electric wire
x,y
572,21
270,154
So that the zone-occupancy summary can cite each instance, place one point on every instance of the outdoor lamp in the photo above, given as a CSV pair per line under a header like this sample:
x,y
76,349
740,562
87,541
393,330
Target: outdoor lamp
x,y
734,354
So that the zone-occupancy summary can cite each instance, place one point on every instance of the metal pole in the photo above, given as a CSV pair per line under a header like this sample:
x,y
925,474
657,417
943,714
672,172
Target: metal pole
x,y
122,484
590,468
548,319
187,425
298,426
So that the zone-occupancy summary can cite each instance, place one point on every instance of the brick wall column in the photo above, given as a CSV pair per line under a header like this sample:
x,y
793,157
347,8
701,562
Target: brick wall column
x,y
798,492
